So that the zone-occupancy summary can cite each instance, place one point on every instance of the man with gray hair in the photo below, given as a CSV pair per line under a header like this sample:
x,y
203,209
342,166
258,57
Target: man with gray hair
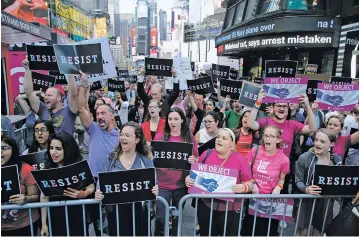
x,y
157,93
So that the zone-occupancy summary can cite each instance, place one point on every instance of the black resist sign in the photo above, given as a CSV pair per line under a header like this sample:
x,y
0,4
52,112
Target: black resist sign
x,y
42,82
280,68
42,58
249,94
114,85
220,71
341,80
158,67
60,79
95,86
172,154
193,66
312,89
53,182
123,73
231,88
233,74
127,186
10,184
36,160
73,58
202,85
337,180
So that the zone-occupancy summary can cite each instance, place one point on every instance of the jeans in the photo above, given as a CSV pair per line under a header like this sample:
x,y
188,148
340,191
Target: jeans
x,y
174,195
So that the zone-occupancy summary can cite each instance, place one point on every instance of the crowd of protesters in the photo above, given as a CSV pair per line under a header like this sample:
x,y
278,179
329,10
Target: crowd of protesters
x,y
289,138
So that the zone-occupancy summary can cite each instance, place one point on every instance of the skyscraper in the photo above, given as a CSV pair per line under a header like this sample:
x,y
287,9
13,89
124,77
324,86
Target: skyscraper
x,y
124,34
153,13
113,8
163,25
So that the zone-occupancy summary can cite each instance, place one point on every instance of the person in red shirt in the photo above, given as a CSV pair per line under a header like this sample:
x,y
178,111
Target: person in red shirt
x,y
17,222
244,135
153,123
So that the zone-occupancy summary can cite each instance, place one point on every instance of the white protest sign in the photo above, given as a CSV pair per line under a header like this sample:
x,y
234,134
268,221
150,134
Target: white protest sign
x,y
109,69
169,83
183,70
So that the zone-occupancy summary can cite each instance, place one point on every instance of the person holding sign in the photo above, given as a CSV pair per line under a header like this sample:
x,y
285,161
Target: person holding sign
x,y
153,123
281,119
269,167
43,129
62,117
324,141
335,123
62,151
224,155
157,91
171,181
16,222
132,153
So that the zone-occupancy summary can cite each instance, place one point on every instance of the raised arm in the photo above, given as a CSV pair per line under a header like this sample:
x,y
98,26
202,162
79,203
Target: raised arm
x,y
82,105
29,88
23,104
312,124
140,87
72,94
252,123
175,92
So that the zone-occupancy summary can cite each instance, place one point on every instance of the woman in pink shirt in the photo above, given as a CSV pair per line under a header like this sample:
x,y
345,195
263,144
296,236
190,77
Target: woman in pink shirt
x,y
335,123
223,155
171,182
269,168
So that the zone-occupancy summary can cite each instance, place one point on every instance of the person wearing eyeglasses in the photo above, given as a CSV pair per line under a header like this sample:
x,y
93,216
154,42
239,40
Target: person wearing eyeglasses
x,y
153,123
17,222
289,128
42,130
269,168
211,129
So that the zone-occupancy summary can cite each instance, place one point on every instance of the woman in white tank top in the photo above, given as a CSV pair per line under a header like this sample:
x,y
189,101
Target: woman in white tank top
x,y
211,129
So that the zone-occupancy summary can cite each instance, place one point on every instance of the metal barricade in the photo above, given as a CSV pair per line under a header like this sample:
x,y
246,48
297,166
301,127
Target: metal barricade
x,y
300,199
20,137
83,203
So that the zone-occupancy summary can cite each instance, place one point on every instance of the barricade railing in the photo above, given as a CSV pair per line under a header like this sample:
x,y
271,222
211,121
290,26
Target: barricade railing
x,y
20,137
83,203
299,198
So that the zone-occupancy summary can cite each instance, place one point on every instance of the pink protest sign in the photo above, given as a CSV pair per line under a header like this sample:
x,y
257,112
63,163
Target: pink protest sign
x,y
278,208
284,89
340,97
212,179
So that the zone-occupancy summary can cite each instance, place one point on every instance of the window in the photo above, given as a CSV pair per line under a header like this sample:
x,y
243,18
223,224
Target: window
x,y
312,5
239,12
251,9
270,6
229,17
356,3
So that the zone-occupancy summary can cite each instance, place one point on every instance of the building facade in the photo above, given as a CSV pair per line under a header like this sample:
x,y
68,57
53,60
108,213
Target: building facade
x,y
163,25
305,31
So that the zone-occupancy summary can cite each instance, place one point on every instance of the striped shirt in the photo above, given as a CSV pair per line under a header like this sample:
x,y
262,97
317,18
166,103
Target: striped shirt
x,y
244,144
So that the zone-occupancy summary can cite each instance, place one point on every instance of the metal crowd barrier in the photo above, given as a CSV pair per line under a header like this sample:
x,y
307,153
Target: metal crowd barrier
x,y
243,197
83,203
20,137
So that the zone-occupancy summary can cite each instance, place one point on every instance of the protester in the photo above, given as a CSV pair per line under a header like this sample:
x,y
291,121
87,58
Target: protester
x,y
281,119
223,155
336,123
130,93
180,103
132,153
63,151
171,182
294,113
65,88
304,178
136,112
351,123
93,108
153,123
157,93
17,222
42,131
6,127
244,135
62,117
122,107
211,130
231,117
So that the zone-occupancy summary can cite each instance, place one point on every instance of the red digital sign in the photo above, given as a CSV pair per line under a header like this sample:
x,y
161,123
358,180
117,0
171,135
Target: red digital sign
x,y
154,37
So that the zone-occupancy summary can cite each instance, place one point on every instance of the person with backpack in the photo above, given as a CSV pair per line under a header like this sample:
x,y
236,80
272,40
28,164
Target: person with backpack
x,y
224,155
269,167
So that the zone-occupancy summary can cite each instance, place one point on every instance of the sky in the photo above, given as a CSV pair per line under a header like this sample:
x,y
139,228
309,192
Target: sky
x,y
128,6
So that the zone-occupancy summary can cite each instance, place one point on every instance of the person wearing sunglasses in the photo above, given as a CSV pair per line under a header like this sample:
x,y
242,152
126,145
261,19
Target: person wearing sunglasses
x,y
42,130
17,222
289,128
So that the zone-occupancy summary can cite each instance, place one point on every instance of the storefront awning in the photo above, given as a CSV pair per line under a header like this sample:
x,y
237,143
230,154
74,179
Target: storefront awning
x,y
16,31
